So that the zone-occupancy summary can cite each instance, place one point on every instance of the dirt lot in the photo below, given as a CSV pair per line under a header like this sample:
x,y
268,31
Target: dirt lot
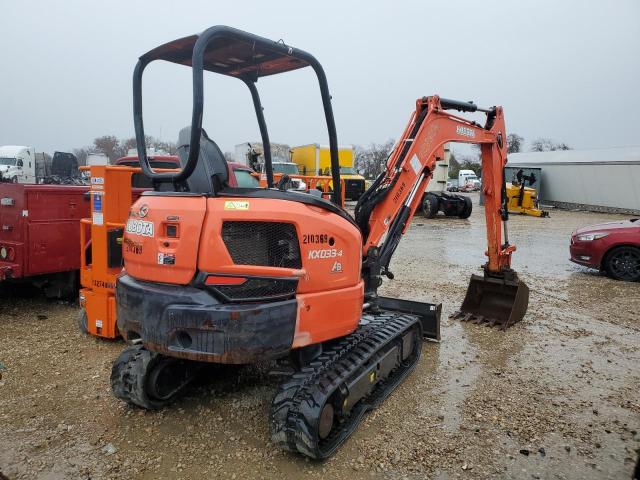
x,y
556,396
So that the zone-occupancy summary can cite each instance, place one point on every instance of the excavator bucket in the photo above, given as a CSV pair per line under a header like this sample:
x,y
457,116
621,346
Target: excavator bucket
x,y
494,301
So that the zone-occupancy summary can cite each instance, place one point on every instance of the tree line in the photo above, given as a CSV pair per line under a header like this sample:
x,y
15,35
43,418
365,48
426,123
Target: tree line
x,y
371,161
115,148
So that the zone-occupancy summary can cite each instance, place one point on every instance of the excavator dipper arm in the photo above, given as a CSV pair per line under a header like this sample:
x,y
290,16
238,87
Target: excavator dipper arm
x,y
386,209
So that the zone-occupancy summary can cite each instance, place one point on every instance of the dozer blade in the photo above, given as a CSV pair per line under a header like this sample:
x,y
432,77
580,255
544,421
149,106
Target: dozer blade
x,y
494,301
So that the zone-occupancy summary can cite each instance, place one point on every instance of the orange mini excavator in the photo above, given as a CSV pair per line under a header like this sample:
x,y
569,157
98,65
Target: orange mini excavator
x,y
243,275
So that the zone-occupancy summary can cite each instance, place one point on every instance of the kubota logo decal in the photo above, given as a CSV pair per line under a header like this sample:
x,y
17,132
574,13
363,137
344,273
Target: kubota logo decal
x,y
140,227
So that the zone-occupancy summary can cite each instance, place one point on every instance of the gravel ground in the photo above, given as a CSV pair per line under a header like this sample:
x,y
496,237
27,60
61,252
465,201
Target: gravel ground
x,y
555,396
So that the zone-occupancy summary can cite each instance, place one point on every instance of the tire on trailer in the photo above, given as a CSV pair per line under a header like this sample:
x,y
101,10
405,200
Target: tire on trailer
x,y
467,208
430,205
623,263
14,179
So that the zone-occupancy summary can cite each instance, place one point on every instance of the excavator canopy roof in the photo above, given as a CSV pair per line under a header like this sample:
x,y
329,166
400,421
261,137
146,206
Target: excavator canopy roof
x,y
231,56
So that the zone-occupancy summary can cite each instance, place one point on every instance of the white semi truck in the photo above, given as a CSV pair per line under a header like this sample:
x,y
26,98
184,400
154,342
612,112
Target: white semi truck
x,y
18,164
468,180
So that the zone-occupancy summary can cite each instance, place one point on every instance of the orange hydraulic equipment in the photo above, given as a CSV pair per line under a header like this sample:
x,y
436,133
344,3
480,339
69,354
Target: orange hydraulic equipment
x,y
101,257
245,275
101,243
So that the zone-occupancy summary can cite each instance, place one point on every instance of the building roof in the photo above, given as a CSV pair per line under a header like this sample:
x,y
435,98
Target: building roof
x,y
609,156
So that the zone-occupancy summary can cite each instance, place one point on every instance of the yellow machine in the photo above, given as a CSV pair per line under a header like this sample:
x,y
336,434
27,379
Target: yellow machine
x,y
523,199
314,159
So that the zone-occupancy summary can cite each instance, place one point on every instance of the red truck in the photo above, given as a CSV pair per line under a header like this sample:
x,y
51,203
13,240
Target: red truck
x,y
39,235
40,227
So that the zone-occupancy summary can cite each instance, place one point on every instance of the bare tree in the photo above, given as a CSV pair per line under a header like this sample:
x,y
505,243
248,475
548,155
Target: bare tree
x,y
469,162
114,148
170,148
81,154
514,143
280,152
547,145
454,166
109,145
371,161
128,144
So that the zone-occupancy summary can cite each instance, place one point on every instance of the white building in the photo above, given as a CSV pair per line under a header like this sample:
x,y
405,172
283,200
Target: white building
x,y
604,179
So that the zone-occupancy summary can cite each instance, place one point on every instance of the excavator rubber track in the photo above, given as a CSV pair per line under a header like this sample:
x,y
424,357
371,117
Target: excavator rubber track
x,y
382,351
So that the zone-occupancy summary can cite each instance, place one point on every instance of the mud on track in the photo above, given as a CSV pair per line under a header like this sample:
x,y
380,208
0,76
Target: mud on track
x,y
556,396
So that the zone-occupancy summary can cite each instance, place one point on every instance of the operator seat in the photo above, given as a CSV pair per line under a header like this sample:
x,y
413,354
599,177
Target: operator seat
x,y
211,174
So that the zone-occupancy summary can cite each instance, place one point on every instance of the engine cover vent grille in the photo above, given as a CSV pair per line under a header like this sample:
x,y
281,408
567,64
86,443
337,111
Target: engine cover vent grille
x,y
268,244
259,289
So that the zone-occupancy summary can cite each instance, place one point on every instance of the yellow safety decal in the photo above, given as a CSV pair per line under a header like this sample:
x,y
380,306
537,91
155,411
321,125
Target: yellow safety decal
x,y
236,205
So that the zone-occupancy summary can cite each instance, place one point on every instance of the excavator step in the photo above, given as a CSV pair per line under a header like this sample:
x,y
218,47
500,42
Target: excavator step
x,y
317,407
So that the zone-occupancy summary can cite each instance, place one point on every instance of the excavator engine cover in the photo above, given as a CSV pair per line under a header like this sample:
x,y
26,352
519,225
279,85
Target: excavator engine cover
x,y
494,300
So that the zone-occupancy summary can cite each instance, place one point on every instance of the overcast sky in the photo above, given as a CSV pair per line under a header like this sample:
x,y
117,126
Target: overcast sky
x,y
568,70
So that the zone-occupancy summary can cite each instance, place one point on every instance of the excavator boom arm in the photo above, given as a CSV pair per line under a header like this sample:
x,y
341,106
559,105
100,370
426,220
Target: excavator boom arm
x,y
385,211
411,164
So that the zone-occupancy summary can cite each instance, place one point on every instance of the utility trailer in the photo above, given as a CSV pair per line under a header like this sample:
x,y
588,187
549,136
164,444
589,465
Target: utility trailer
x,y
39,225
437,199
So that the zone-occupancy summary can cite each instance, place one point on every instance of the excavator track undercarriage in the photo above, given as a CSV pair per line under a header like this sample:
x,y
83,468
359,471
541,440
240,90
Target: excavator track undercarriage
x,y
318,406
148,379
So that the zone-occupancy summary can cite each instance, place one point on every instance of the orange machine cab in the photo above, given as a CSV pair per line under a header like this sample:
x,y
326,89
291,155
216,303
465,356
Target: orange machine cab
x,y
235,279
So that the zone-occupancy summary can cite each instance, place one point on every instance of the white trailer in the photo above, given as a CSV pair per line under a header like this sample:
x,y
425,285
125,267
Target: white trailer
x,y
97,159
246,154
18,164
438,182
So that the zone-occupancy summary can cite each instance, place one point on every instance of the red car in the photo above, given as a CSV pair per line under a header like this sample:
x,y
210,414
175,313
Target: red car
x,y
613,247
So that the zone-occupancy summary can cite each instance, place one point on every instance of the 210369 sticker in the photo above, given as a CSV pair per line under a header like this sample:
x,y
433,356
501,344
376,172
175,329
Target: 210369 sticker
x,y
140,227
